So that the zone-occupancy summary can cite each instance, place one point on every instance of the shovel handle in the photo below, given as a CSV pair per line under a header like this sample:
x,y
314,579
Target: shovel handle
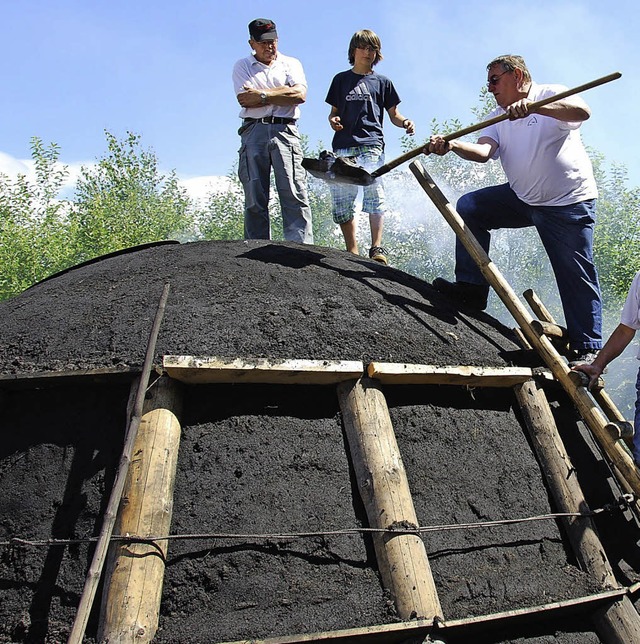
x,y
407,156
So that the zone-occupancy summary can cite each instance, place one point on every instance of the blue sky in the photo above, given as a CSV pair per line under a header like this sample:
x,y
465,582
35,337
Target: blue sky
x,y
163,69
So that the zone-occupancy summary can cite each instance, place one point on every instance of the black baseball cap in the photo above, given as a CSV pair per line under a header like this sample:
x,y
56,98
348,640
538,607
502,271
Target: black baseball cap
x,y
263,29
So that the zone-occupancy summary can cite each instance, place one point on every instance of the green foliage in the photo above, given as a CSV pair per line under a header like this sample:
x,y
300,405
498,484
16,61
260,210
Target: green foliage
x,y
223,214
617,231
124,201
34,226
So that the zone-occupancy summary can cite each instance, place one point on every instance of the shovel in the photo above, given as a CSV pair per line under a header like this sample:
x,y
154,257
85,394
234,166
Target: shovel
x,y
343,170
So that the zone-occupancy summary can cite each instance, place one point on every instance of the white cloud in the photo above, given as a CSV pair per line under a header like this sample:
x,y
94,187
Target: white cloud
x,y
198,188
13,167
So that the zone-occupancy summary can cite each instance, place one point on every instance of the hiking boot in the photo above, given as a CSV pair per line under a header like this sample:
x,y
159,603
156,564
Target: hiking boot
x,y
473,295
583,356
378,254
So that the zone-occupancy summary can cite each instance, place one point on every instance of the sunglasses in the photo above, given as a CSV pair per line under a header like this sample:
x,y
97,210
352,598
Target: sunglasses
x,y
495,78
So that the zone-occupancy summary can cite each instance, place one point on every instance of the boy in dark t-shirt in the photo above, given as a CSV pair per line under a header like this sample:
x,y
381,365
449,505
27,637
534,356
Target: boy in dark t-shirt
x,y
358,99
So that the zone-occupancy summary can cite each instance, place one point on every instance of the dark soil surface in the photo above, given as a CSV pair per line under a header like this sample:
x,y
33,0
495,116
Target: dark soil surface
x,y
241,299
260,460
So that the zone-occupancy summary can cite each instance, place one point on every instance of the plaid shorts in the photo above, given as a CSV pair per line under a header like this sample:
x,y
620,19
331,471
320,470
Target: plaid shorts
x,y
344,195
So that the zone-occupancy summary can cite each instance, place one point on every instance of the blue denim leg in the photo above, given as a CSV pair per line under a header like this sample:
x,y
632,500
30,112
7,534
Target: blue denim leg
x,y
567,235
636,424
484,210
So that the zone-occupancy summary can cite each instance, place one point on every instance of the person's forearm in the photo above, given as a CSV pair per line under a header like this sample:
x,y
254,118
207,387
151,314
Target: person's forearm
x,y
479,152
286,95
615,345
565,111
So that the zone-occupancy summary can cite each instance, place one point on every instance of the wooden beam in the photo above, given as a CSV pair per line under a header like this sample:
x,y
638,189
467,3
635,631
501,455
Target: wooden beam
x,y
134,572
616,451
71,376
619,622
405,631
204,370
537,306
382,481
95,569
470,376
549,329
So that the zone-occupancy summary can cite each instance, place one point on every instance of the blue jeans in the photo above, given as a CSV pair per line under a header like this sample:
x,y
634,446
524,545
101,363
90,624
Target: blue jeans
x,y
636,424
276,146
566,233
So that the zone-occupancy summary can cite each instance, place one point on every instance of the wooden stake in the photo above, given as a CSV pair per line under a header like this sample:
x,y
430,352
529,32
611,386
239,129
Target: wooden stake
x,y
618,622
95,570
595,420
382,481
134,572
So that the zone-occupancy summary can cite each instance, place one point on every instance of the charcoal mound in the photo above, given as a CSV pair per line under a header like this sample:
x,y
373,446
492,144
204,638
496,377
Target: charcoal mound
x,y
259,461
241,299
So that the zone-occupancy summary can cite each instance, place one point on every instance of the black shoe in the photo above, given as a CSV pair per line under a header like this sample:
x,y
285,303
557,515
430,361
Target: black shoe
x,y
473,295
378,254
583,356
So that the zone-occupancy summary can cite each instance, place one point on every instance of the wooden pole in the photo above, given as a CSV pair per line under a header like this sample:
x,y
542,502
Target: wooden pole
x,y
134,572
382,481
618,623
95,570
591,414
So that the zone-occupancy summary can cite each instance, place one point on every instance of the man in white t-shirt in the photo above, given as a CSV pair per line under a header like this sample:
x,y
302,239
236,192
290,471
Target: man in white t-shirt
x,y
615,345
269,87
550,186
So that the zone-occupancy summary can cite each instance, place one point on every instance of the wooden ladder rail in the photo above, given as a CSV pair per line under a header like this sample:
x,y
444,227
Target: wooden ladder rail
x,y
603,399
624,468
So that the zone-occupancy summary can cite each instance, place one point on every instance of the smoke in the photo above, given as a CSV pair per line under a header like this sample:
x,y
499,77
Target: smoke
x,y
413,216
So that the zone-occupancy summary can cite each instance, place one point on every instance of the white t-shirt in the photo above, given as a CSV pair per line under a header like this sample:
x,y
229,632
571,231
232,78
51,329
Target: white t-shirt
x,y
544,158
631,311
284,70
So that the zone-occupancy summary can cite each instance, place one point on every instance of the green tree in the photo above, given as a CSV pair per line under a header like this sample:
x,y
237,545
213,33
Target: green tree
x,y
34,226
124,200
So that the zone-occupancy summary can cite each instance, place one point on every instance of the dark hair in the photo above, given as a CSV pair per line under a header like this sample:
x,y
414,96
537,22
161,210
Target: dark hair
x,y
363,38
511,62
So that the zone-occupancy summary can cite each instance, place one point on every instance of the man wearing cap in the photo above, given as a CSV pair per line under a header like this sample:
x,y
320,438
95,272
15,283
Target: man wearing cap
x,y
270,86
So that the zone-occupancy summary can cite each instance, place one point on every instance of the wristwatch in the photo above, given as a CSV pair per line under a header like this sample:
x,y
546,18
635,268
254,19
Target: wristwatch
x,y
263,98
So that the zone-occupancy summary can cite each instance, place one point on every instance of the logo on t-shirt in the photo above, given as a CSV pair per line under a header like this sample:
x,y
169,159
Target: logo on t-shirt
x,y
359,93
532,121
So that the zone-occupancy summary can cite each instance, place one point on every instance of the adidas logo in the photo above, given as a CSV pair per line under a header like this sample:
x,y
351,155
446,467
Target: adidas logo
x,y
359,93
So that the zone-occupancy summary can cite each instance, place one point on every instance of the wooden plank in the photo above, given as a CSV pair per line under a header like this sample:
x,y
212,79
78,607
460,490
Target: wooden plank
x,y
400,633
616,452
134,572
205,370
24,380
382,481
471,376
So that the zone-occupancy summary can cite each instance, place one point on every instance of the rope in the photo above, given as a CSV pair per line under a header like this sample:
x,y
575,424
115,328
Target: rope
x,y
623,503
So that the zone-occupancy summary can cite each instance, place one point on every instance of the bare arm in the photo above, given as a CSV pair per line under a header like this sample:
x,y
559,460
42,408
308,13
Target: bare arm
x,y
568,110
400,121
284,95
615,345
480,152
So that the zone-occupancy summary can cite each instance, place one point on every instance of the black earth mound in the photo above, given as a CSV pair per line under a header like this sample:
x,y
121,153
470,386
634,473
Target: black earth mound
x,y
260,460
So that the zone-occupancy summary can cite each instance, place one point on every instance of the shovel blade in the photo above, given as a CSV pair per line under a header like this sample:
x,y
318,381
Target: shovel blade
x,y
334,169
